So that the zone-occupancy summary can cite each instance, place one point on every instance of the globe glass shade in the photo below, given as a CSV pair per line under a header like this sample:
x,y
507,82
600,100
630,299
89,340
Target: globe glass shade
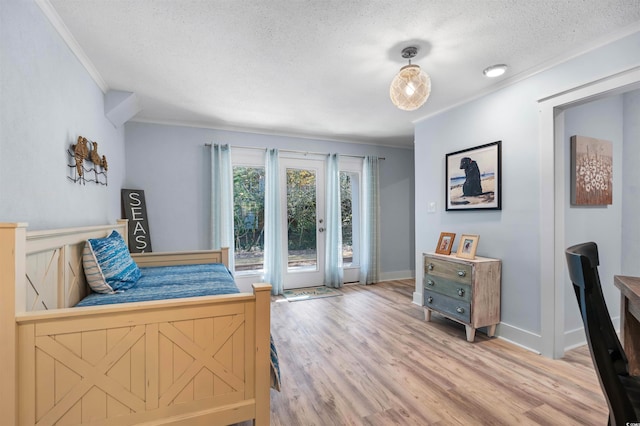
x,y
410,88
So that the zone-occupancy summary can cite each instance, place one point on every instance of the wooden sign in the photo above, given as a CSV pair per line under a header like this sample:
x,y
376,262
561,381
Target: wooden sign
x,y
135,210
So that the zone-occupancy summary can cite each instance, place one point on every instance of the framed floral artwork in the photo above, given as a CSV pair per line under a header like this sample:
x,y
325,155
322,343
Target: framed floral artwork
x,y
591,171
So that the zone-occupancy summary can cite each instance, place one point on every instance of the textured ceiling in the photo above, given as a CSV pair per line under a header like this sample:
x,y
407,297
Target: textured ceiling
x,y
323,68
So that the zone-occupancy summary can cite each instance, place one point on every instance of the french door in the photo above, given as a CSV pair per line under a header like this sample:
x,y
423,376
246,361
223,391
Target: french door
x,y
302,190
302,195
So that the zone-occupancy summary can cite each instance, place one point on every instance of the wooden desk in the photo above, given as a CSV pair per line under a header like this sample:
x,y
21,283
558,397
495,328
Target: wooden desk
x,y
630,319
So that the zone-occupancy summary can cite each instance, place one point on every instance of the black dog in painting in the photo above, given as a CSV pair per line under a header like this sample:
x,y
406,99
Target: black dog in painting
x,y
472,185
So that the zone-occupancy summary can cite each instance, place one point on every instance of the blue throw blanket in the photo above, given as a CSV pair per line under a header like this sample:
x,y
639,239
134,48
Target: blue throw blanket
x,y
173,282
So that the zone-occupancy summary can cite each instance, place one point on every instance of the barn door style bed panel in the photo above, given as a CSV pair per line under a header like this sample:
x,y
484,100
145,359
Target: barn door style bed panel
x,y
185,361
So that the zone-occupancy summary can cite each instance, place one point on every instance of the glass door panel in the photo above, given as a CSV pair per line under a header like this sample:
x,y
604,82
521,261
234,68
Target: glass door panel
x,y
301,219
248,214
303,207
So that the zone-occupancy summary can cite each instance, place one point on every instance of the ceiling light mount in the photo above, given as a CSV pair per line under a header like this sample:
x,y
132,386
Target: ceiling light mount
x,y
411,87
409,52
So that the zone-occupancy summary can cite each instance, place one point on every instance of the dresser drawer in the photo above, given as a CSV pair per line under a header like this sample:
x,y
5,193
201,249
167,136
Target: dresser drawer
x,y
448,306
453,289
459,272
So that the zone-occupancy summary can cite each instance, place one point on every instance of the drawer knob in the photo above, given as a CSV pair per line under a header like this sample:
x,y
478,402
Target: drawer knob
x,y
430,282
460,310
462,273
461,292
430,266
429,299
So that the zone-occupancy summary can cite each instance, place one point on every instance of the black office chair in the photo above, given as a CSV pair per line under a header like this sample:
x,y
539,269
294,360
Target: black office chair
x,y
621,390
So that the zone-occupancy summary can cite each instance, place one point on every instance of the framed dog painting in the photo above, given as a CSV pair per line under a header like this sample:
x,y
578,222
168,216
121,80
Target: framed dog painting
x,y
473,178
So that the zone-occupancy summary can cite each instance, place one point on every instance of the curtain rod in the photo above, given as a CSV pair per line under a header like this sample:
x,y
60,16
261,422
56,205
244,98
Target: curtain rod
x,y
297,152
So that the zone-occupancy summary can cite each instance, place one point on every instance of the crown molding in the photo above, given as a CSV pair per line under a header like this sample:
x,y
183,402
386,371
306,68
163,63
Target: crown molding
x,y
268,132
544,66
55,19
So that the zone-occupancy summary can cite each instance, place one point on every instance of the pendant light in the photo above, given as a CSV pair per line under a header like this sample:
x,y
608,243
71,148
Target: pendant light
x,y
411,87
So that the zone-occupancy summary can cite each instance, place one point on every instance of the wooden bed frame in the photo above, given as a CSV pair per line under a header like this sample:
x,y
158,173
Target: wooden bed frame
x,y
200,360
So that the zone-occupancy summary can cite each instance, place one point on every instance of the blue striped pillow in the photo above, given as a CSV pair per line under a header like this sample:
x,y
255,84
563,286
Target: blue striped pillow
x,y
108,265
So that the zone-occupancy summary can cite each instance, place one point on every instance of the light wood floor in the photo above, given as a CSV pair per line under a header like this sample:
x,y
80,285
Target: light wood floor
x,y
368,358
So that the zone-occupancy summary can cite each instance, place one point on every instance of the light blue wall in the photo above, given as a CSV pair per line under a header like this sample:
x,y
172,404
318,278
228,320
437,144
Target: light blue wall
x,y
170,163
512,234
601,119
47,99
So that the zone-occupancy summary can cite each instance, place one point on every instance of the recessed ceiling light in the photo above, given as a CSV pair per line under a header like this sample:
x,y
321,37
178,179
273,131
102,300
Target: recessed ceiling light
x,y
495,70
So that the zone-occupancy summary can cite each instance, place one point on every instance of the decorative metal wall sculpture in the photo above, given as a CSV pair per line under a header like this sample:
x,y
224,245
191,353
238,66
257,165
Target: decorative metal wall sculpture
x,y
86,150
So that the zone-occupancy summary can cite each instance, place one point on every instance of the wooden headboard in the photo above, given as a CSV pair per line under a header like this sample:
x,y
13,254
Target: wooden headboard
x,y
54,275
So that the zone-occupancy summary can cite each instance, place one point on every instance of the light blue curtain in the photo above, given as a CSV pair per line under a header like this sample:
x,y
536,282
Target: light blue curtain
x,y
370,226
272,224
222,200
333,274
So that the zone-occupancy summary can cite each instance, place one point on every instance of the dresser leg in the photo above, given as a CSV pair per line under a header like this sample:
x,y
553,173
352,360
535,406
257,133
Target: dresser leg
x,y
491,330
471,333
427,314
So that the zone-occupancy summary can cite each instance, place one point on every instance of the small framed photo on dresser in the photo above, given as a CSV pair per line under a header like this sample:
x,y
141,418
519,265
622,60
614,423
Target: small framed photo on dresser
x,y
445,243
467,246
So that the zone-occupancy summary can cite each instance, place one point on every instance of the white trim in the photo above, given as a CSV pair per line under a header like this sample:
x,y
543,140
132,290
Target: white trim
x,y
247,157
519,337
351,164
55,19
576,337
514,335
399,140
396,275
552,208
560,165
351,275
544,66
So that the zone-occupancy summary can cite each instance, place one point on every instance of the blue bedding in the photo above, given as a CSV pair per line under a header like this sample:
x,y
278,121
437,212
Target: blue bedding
x,y
173,282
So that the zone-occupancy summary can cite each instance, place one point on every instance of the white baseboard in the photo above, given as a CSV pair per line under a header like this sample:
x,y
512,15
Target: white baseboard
x,y
576,337
519,337
397,275
417,298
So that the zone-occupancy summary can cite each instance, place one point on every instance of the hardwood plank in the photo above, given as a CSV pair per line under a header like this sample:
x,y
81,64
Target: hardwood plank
x,y
368,358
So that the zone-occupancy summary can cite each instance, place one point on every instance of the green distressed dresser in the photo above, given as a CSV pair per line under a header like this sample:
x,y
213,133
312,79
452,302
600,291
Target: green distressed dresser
x,y
463,290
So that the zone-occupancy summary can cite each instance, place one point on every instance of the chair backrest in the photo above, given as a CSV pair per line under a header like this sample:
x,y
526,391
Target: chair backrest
x,y
607,353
